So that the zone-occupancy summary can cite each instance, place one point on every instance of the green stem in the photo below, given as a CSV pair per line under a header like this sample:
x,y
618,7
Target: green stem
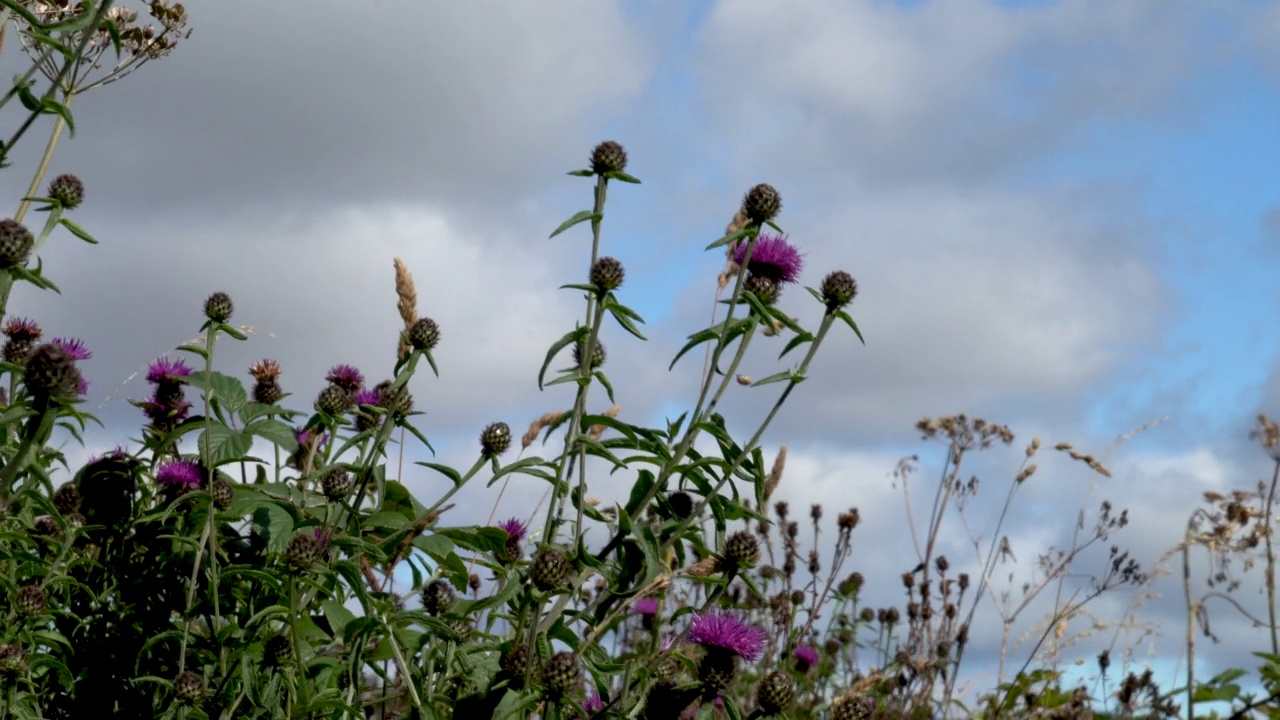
x,y
304,696
191,595
37,427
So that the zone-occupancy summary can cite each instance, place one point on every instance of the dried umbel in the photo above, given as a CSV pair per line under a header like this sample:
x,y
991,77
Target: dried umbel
x,y
189,688
437,597
16,242
742,550
495,439
68,190
31,600
838,289
607,274
761,203
550,569
218,307
608,157
775,693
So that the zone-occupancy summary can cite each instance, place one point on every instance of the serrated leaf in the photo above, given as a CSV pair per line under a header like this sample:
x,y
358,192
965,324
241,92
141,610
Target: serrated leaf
x,y
228,391
274,432
580,216
223,444
77,231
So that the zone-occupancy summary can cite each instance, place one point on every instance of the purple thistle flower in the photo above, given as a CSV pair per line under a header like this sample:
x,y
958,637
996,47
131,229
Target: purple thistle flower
x,y
346,377
179,475
594,703
645,606
772,257
23,329
82,388
305,436
164,415
73,347
322,535
806,657
516,530
367,397
728,632
166,370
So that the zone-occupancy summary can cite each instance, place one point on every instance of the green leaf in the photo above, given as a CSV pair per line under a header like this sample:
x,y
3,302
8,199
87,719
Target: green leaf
x,y
53,107
275,432
275,523
621,176
730,238
445,470
694,340
581,216
604,380
337,615
575,335
849,321
77,231
795,342
224,444
227,391
582,173
777,377
234,332
624,316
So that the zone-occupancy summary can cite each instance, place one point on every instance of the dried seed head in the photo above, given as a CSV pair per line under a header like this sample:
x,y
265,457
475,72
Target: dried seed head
x,y
775,693
222,493
188,687
336,483
15,243
597,355
67,498
50,372
437,598
1026,472
68,190
31,600
742,550
218,307
765,289
424,334
607,157
562,675
495,439
550,569
775,476
607,274
838,289
761,203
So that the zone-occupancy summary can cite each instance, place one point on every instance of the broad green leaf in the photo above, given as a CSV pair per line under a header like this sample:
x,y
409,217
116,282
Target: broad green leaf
x,y
223,444
275,432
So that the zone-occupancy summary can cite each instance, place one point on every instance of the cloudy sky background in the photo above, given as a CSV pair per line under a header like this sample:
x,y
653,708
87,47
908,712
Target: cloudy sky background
x,y
1062,216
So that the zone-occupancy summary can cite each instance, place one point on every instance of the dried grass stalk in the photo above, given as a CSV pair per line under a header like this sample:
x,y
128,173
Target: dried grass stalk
x,y
546,419
406,302
775,475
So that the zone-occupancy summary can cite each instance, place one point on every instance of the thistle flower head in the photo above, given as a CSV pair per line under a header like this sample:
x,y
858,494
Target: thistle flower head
x,y
773,257
179,475
346,377
265,370
594,703
645,606
516,530
306,436
727,632
806,657
166,370
366,397
22,329
73,347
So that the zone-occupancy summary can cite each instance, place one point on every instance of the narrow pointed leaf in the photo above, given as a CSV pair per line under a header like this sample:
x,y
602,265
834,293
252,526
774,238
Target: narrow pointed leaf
x,y
581,216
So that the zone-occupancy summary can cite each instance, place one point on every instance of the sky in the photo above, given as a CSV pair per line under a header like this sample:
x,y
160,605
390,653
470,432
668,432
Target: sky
x,y
1062,216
